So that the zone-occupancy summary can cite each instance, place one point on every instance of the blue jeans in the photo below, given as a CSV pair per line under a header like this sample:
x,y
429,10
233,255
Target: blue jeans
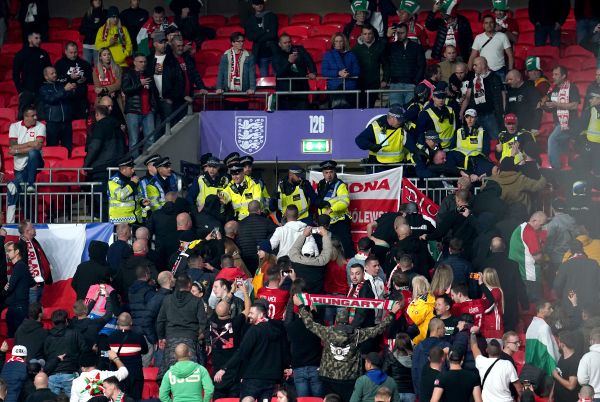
x,y
489,124
90,55
26,176
307,381
502,73
134,121
585,27
61,382
542,32
35,294
401,98
556,142
407,397
263,65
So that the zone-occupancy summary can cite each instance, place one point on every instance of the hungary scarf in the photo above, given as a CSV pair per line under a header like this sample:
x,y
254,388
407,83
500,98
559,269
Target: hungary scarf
x,y
341,301
541,349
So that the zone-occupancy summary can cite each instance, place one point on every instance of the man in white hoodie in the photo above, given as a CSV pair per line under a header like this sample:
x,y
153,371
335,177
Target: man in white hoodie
x,y
287,234
588,372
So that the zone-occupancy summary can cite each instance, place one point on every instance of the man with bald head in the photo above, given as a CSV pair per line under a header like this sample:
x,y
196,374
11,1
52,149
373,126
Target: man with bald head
x,y
115,113
129,346
436,331
120,250
42,392
166,283
186,380
56,101
459,81
252,230
142,233
522,99
163,225
487,96
410,245
127,273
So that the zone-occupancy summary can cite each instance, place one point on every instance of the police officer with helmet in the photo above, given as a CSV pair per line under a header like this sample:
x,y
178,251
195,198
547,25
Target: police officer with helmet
x,y
295,190
386,139
333,199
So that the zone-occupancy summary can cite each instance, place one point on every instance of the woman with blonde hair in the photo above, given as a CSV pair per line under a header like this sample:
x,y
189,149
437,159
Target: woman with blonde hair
x,y
339,65
421,308
442,280
492,324
107,77
115,37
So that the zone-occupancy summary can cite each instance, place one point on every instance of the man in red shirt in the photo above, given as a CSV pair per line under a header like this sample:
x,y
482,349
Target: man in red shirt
x,y
276,298
464,305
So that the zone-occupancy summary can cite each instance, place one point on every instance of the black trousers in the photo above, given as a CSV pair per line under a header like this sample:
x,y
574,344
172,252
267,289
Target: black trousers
x,y
341,230
59,133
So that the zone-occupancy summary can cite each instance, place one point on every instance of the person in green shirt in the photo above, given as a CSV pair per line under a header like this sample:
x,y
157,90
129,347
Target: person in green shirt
x,y
186,381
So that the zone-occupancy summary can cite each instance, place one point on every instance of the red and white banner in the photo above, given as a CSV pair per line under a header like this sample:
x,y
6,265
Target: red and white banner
x,y
410,193
371,195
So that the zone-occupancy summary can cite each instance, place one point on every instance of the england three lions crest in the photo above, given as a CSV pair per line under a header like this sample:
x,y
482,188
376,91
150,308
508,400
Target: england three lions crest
x,y
250,133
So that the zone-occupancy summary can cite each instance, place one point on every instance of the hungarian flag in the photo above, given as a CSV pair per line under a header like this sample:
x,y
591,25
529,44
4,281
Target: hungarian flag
x,y
541,349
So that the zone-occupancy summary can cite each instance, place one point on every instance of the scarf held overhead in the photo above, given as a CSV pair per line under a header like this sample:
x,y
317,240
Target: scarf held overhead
x,y
341,301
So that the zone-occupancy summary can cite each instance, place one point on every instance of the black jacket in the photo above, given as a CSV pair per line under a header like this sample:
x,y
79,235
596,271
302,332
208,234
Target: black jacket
x,y
28,68
512,286
31,334
417,249
173,77
105,146
305,347
163,225
399,368
90,24
181,315
154,305
134,19
140,295
263,33
43,12
64,68
93,271
133,88
582,275
283,69
465,35
252,231
62,340
406,63
523,102
89,328
262,353
56,102
17,293
548,12
125,277
177,5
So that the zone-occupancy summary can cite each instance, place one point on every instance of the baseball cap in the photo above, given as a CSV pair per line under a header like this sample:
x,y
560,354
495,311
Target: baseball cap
x,y
19,350
533,63
471,112
511,118
112,12
159,36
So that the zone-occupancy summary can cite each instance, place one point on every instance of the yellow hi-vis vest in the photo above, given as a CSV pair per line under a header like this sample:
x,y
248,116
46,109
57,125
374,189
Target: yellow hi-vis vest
x,y
445,129
392,150
121,201
240,201
297,198
205,189
507,146
339,200
593,130
469,146
265,197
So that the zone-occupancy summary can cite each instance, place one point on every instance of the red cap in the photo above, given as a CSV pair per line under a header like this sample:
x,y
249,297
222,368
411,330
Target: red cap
x,y
511,118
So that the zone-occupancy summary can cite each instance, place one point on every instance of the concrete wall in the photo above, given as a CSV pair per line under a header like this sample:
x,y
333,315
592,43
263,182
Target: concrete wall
x,y
70,9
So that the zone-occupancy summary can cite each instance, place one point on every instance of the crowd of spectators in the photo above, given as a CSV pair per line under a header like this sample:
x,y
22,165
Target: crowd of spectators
x,y
216,288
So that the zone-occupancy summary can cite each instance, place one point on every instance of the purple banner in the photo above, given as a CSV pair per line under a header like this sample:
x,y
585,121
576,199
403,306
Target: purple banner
x,y
286,135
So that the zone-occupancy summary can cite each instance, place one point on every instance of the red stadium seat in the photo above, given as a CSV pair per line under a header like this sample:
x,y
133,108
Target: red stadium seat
x,y
323,38
64,35
572,64
78,152
55,153
522,13
76,22
208,57
58,23
4,143
150,386
525,26
522,50
576,50
324,30
316,54
568,37
471,15
305,18
316,43
549,51
283,20
216,44
7,117
55,50
234,20
309,399
7,91
211,70
295,30
526,38
10,49
212,20
79,128
226,31
337,18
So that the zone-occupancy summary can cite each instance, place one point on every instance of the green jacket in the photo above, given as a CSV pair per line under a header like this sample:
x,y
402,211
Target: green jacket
x,y
371,59
365,388
184,382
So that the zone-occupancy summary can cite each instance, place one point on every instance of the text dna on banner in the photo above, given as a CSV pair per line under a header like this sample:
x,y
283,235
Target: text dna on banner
x,y
371,195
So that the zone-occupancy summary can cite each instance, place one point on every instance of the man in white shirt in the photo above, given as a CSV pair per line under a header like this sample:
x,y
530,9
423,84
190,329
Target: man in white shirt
x,y
496,374
372,269
89,382
26,138
285,236
493,46
588,372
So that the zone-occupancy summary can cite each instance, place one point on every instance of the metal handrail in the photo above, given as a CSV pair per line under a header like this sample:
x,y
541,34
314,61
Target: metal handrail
x,y
373,166
334,92
317,78
59,169
384,91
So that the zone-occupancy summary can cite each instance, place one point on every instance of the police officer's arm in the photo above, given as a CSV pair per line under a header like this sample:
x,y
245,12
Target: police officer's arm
x,y
424,123
122,193
341,200
309,192
366,139
485,150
